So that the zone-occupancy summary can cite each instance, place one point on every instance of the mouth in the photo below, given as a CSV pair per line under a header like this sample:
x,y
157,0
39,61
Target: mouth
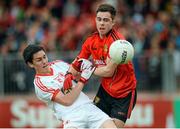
x,y
45,66
101,29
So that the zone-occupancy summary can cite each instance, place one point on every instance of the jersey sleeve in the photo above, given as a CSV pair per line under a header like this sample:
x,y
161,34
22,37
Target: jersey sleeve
x,y
85,51
45,90
62,65
117,35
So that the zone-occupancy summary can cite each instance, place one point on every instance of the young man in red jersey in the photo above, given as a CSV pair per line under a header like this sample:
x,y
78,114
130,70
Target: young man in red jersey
x,y
117,93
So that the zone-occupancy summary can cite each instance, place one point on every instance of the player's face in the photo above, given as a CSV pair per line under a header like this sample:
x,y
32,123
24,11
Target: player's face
x,y
40,62
104,23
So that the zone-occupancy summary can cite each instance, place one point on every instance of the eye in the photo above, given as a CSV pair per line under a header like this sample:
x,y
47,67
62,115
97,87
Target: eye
x,y
44,57
98,19
106,19
37,60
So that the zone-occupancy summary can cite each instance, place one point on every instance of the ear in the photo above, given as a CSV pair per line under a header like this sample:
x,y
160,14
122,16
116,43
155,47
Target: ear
x,y
30,65
113,22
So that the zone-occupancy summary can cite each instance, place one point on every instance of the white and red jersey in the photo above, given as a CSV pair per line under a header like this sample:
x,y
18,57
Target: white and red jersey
x,y
48,85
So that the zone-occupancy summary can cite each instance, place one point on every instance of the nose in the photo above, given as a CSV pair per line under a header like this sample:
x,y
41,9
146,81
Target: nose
x,y
102,22
44,61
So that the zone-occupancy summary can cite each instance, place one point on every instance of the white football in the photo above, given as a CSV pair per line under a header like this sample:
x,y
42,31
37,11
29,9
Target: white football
x,y
121,51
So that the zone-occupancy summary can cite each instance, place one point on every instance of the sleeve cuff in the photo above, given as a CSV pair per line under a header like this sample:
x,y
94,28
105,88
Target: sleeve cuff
x,y
74,66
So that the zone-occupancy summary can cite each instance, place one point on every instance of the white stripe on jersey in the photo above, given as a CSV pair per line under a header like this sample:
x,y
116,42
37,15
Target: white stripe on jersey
x,y
42,86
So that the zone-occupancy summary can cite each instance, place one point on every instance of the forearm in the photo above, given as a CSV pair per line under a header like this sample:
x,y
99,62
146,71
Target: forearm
x,y
69,98
106,71
103,72
73,71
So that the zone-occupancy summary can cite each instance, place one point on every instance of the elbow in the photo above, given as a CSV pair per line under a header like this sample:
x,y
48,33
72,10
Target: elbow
x,y
64,102
110,74
67,103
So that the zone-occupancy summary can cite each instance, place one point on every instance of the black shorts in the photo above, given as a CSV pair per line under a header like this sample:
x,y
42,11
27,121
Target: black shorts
x,y
118,108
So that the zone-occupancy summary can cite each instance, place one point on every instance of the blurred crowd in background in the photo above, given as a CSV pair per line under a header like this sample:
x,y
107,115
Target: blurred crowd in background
x,y
152,26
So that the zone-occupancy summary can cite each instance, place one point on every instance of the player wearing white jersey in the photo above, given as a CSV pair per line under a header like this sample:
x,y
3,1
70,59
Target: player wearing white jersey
x,y
74,108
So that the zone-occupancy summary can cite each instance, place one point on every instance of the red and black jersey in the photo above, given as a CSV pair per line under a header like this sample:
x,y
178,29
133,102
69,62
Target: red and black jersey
x,y
123,81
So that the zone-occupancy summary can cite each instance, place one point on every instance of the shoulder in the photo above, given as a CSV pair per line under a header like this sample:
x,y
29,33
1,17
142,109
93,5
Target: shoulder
x,y
90,40
59,65
92,36
39,80
116,34
40,83
44,84
58,62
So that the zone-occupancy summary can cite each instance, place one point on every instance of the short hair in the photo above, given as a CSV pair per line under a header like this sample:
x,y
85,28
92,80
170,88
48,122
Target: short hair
x,y
107,8
29,51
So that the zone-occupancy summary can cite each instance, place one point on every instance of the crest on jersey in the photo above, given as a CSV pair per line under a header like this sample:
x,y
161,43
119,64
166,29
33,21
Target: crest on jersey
x,y
96,100
106,48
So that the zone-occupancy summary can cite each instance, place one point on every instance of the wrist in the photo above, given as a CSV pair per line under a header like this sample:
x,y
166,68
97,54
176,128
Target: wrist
x,y
68,73
83,80
75,67
81,84
76,64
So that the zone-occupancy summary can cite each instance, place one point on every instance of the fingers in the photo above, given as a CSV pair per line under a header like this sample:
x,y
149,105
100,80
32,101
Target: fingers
x,y
85,64
86,74
76,64
80,64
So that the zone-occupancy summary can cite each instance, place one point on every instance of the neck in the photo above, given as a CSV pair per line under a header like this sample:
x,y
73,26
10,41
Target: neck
x,y
44,71
101,36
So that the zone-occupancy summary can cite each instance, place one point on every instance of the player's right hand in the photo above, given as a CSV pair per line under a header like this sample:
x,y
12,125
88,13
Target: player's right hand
x,y
85,64
86,74
80,64
76,64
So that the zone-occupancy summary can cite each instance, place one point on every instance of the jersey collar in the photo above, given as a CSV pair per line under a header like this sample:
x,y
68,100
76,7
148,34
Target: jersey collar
x,y
46,74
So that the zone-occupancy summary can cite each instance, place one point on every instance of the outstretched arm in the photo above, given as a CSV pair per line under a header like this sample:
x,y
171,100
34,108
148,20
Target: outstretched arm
x,y
107,70
69,98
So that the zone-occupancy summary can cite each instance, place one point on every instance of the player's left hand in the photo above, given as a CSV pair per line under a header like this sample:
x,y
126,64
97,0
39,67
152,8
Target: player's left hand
x,y
68,81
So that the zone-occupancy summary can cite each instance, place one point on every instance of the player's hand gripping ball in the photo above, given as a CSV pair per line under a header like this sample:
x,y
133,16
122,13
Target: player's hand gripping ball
x,y
121,51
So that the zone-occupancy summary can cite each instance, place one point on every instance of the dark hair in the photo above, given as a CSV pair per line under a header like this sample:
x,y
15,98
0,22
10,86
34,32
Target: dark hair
x,y
107,8
29,51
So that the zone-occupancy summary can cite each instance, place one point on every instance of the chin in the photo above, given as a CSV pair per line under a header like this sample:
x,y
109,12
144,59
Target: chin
x,y
103,32
46,66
